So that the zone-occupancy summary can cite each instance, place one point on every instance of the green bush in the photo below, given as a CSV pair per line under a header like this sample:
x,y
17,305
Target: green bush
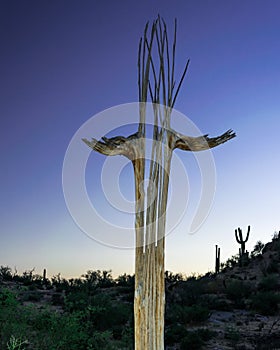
x,y
7,298
269,283
110,315
57,299
257,249
195,314
125,280
231,262
32,296
170,277
272,267
191,291
5,273
13,324
60,283
196,339
216,302
101,279
187,314
77,300
271,341
206,334
93,317
100,340
266,303
127,295
174,334
238,291
192,341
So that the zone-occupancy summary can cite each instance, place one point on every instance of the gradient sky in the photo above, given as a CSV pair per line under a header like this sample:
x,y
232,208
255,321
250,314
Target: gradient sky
x,y
64,61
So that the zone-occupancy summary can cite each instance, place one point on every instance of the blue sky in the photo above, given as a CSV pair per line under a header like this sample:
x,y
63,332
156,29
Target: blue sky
x,y
64,61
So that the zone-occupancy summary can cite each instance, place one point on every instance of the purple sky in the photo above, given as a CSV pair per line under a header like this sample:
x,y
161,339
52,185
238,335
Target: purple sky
x,y
64,61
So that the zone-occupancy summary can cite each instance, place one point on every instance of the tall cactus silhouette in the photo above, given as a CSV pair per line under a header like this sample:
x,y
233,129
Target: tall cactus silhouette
x,y
240,240
217,259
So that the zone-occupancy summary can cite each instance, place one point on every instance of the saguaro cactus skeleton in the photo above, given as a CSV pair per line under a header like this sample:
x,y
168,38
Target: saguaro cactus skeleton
x,y
156,83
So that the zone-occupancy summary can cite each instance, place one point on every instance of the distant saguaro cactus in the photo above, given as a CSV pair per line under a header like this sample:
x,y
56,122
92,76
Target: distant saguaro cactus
x,y
217,259
240,240
44,274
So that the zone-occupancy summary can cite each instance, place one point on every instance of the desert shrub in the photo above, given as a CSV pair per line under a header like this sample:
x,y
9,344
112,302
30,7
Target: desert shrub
x,y
195,314
214,286
45,329
57,299
263,267
106,280
268,283
100,340
206,334
125,280
38,281
77,300
257,249
265,303
127,295
102,324
231,262
7,298
102,279
32,287
271,341
31,280
171,277
192,340
215,302
191,291
272,267
43,319
60,283
27,277
105,314
31,296
232,335
58,331
91,279
70,331
196,339
5,273
12,321
275,236
187,314
238,291
174,334
127,341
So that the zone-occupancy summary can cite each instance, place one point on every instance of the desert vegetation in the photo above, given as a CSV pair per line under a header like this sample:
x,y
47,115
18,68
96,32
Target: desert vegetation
x,y
237,308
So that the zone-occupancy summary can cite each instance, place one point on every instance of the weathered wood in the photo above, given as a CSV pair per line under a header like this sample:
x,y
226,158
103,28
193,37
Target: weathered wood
x,y
149,299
